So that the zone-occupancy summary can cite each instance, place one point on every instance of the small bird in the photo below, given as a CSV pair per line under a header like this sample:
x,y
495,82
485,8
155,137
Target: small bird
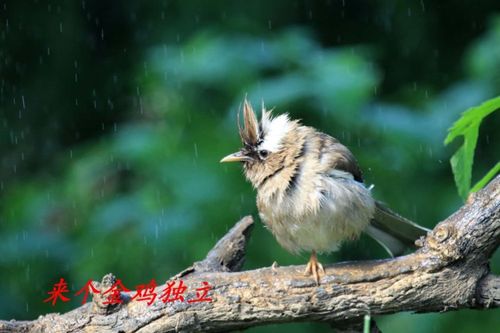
x,y
310,190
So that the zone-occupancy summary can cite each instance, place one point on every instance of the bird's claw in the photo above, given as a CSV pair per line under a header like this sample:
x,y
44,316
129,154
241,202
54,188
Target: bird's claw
x,y
314,267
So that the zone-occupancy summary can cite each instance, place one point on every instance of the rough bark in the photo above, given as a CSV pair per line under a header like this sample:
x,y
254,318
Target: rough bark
x,y
449,271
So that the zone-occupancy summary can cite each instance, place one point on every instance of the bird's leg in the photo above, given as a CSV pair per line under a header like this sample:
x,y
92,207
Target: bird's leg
x,y
314,267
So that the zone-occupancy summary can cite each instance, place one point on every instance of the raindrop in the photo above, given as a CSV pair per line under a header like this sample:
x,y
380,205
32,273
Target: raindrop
x,y
76,77
71,153
28,272
92,252
102,34
23,102
196,150
60,27
269,25
422,5
48,50
156,231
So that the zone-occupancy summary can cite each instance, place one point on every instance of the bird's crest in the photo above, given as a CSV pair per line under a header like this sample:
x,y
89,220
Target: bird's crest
x,y
268,133
249,133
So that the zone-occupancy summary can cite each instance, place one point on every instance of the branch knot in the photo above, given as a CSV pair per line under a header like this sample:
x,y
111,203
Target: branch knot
x,y
101,300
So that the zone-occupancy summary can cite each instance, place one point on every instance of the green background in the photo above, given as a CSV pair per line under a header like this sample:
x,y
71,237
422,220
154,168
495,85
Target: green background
x,y
114,116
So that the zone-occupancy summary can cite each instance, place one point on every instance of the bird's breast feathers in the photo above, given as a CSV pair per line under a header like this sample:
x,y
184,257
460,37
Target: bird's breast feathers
x,y
319,214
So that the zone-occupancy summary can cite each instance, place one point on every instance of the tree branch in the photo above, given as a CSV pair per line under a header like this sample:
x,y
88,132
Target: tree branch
x,y
450,271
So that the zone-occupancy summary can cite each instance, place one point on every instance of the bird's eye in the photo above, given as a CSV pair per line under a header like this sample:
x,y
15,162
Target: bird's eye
x,y
263,153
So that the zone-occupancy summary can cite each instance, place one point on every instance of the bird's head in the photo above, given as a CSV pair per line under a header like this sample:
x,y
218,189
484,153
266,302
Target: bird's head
x,y
268,146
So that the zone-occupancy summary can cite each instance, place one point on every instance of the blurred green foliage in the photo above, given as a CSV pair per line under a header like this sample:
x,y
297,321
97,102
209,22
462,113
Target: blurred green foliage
x,y
113,117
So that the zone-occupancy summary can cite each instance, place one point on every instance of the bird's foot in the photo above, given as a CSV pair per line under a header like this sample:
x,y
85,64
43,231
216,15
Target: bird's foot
x,y
314,267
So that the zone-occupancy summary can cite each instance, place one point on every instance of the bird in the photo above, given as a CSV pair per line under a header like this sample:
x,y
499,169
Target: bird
x,y
310,190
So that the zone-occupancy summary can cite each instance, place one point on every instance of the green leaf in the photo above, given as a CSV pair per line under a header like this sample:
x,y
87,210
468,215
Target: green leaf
x,y
463,159
480,184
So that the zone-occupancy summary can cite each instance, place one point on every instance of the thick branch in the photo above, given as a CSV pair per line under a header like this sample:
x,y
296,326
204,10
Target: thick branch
x,y
450,271
228,255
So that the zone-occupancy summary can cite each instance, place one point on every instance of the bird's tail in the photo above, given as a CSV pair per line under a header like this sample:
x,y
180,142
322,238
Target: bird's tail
x,y
394,232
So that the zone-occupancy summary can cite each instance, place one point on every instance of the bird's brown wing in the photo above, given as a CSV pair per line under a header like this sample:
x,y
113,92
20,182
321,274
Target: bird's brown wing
x,y
337,156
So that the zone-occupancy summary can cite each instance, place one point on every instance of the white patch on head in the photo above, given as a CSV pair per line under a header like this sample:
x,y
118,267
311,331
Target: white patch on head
x,y
273,130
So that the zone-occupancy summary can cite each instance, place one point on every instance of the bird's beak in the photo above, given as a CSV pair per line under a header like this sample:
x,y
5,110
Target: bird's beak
x,y
236,157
